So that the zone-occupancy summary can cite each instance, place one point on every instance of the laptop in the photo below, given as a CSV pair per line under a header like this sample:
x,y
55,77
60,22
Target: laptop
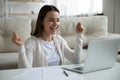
x,y
101,54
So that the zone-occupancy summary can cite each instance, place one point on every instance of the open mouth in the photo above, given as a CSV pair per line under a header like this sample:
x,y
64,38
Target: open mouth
x,y
53,29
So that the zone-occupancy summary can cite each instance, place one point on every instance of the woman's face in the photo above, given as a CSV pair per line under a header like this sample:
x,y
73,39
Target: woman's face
x,y
51,22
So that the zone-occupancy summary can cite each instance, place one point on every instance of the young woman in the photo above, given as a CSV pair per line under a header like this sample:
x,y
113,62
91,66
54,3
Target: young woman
x,y
45,47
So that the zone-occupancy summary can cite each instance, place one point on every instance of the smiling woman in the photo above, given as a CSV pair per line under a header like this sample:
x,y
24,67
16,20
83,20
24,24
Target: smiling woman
x,y
45,47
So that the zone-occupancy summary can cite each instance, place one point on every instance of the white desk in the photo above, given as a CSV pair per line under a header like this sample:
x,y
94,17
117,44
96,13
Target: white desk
x,y
56,73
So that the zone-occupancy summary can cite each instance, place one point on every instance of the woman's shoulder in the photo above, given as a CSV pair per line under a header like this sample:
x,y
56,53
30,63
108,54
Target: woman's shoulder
x,y
31,40
58,36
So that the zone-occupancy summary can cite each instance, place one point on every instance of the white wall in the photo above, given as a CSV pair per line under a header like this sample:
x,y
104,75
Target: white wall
x,y
111,8
27,7
23,8
117,16
2,8
108,10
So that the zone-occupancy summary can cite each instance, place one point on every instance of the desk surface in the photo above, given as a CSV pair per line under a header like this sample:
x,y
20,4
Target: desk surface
x,y
56,73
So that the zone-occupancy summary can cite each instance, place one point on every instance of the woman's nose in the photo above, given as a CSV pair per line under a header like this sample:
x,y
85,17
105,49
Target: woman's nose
x,y
56,23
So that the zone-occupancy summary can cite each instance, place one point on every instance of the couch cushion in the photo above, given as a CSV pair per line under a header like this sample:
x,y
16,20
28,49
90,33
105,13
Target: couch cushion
x,y
8,60
95,27
20,25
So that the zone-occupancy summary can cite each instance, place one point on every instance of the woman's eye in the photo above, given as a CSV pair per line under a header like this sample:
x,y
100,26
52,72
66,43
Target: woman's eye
x,y
51,20
58,20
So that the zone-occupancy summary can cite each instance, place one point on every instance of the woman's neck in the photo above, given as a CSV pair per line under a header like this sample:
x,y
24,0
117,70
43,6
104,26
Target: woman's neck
x,y
47,37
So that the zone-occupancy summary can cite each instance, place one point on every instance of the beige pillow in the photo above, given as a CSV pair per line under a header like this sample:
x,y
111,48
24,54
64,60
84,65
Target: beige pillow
x,y
20,25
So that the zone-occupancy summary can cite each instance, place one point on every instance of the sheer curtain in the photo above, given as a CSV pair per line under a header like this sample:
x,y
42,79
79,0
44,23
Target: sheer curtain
x,y
2,8
79,7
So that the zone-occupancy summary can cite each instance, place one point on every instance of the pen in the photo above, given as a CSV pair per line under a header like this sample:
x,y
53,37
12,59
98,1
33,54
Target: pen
x,y
65,73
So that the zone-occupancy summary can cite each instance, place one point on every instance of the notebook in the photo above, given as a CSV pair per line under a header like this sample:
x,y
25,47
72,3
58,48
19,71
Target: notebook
x,y
101,54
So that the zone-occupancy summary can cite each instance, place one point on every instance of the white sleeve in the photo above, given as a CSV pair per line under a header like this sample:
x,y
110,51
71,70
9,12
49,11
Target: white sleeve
x,y
22,59
74,55
26,54
78,48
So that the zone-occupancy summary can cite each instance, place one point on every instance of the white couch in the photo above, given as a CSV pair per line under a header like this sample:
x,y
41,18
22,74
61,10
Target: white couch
x,y
95,27
8,50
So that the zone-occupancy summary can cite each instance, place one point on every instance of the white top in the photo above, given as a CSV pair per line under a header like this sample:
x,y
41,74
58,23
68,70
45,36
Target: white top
x,y
31,53
51,53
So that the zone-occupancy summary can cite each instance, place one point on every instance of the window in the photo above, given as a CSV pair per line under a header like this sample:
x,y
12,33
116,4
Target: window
x,y
79,7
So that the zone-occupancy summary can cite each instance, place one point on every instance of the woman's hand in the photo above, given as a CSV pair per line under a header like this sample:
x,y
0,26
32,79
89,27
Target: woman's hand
x,y
79,28
16,39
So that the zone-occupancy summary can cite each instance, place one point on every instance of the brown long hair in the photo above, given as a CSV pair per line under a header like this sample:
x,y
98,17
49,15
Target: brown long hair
x,y
39,28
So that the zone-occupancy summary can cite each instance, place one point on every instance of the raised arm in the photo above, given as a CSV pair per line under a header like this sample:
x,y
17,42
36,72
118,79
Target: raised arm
x,y
74,55
22,59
